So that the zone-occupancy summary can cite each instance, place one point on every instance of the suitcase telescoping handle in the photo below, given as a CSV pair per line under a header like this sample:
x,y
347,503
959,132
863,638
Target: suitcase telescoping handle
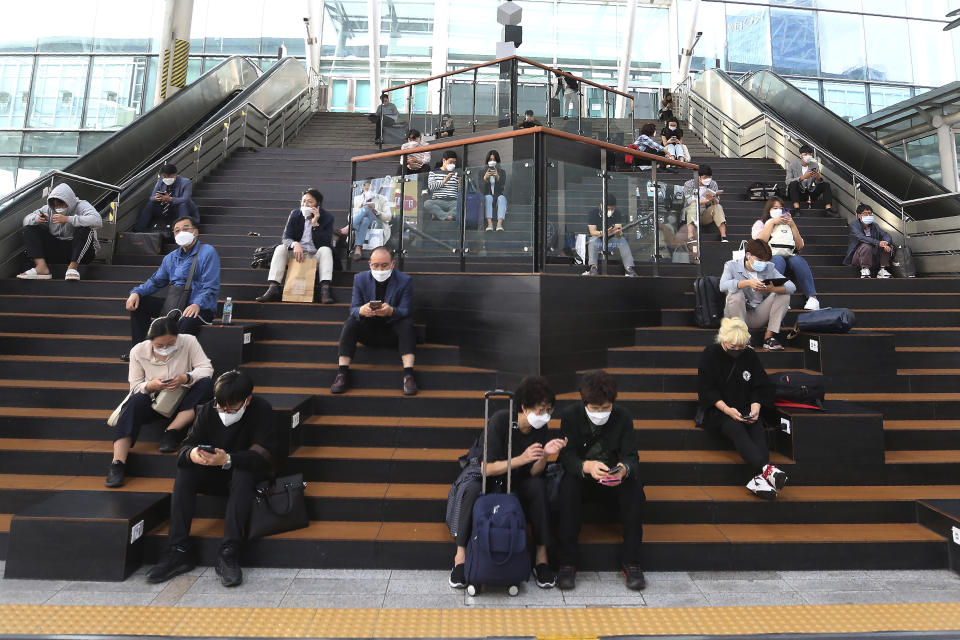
x,y
496,393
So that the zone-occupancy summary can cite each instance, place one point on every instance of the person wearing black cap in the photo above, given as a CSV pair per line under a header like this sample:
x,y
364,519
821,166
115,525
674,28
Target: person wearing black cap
x,y
171,200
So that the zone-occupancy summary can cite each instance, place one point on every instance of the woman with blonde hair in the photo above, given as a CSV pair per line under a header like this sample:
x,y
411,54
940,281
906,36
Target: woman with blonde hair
x,y
732,387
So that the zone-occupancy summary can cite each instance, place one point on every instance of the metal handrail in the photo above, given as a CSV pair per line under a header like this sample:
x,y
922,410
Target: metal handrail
x,y
36,182
942,196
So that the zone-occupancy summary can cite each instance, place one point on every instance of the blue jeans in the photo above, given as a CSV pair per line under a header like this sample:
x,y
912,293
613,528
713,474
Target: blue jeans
x,y
501,206
800,270
618,243
361,224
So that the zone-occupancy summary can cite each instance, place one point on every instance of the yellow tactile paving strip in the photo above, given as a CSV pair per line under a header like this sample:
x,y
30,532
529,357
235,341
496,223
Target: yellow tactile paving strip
x,y
473,623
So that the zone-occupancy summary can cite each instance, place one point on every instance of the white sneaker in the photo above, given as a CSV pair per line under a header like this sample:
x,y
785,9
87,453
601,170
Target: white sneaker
x,y
774,477
864,273
761,488
812,304
884,274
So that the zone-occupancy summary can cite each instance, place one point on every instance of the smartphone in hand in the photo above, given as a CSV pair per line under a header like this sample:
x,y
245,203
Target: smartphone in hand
x,y
376,304
207,448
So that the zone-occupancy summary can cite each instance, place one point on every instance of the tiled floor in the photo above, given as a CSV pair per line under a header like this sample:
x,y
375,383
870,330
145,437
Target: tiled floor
x,y
385,589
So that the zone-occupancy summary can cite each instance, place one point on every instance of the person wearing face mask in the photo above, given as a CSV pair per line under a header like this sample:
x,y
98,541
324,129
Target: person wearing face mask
x,y
804,179
174,271
671,137
753,294
600,464
415,162
63,230
702,198
444,186
166,360
528,460
308,233
732,387
241,429
613,219
779,229
494,179
381,315
868,247
529,120
370,210
172,198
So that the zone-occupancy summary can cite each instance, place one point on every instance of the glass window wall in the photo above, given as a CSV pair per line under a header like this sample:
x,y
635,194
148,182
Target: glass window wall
x,y
123,26
924,154
10,142
113,83
793,38
32,168
345,30
888,50
406,28
51,142
66,26
587,34
649,49
712,45
59,89
748,37
283,25
15,76
847,99
933,61
882,97
809,87
841,45
231,30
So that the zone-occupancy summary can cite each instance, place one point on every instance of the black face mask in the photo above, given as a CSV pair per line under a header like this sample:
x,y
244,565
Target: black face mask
x,y
734,353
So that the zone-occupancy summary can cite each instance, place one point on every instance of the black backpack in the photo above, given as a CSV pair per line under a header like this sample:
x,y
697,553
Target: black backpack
x,y
762,191
709,302
799,387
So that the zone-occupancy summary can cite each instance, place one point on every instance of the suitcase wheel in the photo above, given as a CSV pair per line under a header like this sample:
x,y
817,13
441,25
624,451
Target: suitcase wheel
x,y
513,590
472,590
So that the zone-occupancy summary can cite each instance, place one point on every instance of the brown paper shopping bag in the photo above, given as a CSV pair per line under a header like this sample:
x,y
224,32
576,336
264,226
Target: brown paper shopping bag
x,y
298,286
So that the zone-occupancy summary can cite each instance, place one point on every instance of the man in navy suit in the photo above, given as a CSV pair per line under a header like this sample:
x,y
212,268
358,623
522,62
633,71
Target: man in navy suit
x,y
171,200
381,315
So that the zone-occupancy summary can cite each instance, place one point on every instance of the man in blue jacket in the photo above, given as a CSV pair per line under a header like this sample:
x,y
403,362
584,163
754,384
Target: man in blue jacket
x,y
381,315
174,271
868,247
171,199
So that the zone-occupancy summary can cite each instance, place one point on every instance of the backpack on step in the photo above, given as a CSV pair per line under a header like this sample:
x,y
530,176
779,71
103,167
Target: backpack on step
x,y
902,263
799,387
762,191
497,549
709,302
829,320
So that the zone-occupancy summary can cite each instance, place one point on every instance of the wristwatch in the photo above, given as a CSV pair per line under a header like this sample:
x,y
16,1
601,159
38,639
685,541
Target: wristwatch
x,y
226,465
189,378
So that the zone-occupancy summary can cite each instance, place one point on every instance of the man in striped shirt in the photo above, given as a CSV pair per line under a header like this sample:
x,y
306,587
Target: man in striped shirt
x,y
444,186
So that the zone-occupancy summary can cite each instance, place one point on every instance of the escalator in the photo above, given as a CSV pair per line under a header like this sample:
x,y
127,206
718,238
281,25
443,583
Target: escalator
x,y
232,106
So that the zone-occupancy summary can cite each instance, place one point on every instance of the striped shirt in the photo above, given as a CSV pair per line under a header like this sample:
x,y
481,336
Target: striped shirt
x,y
439,191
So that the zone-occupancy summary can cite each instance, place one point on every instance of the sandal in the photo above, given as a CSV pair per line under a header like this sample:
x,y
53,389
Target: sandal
x,y
31,274
72,274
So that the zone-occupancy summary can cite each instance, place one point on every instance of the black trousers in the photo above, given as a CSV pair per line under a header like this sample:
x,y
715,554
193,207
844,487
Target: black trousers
x,y
137,411
40,244
153,212
820,190
750,440
239,487
150,308
532,492
628,496
378,333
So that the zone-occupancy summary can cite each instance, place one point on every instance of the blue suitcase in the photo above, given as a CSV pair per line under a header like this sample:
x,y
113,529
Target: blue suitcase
x,y
474,211
497,549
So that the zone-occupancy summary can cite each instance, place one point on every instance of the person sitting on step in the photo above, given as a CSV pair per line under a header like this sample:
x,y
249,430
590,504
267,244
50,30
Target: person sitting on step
x,y
756,292
444,185
370,209
671,136
869,247
415,162
615,237
381,315
386,115
63,230
779,229
191,260
233,444
166,362
308,233
529,120
600,464
494,180
732,387
804,180
702,197
171,199
528,459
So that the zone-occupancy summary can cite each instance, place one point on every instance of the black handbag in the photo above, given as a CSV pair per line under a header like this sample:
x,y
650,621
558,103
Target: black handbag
x,y
179,297
262,257
278,506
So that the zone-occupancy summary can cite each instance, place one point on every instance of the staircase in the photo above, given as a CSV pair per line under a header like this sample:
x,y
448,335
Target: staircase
x,y
379,464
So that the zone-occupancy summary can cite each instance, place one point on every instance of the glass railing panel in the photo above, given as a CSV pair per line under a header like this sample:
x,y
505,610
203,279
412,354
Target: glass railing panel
x,y
376,214
573,198
499,210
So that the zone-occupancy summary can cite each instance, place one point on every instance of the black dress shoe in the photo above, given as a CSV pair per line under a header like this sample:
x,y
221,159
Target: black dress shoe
x,y
171,439
341,383
115,474
272,294
178,560
634,576
228,568
325,296
409,385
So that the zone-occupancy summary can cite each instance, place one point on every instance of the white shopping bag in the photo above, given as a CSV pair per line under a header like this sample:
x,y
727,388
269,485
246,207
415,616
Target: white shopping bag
x,y
374,239
580,246
739,254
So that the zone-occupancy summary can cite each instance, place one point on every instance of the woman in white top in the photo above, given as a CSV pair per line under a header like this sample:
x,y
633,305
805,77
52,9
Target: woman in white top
x,y
777,228
416,162
166,361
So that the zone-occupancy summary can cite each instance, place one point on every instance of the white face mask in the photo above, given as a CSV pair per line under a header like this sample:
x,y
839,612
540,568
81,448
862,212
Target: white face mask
x,y
165,351
538,420
306,211
867,220
492,164
230,418
168,181
184,238
776,213
706,181
807,159
61,210
672,128
381,276
451,166
598,418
